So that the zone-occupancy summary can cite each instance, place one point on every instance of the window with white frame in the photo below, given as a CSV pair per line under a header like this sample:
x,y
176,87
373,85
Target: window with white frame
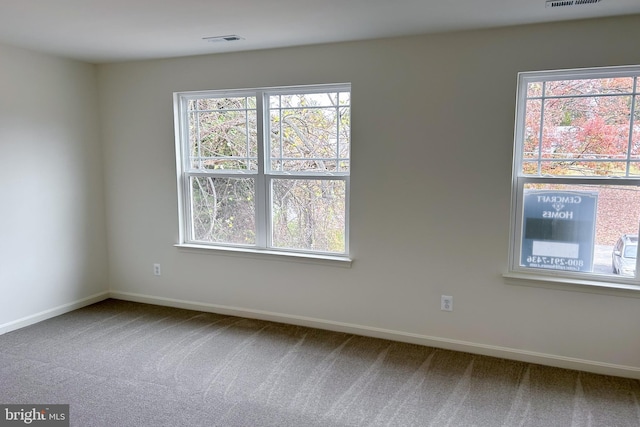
x,y
265,169
576,176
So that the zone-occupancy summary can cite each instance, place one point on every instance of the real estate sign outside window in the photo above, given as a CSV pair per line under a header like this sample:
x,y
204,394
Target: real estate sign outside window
x,y
576,174
265,169
558,230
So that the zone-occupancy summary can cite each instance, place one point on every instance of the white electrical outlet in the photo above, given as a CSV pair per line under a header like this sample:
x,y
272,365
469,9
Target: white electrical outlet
x,y
156,269
446,303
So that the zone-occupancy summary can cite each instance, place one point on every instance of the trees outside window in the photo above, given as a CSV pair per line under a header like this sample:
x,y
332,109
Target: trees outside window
x,y
266,169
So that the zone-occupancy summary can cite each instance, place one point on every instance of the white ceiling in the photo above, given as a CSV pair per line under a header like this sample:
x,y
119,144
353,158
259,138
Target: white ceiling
x,y
102,31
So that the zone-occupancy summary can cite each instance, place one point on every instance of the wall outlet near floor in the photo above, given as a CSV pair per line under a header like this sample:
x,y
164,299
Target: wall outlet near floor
x,y
446,303
156,269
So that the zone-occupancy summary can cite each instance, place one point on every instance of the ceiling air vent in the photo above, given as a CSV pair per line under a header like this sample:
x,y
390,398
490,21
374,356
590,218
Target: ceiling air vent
x,y
561,3
229,38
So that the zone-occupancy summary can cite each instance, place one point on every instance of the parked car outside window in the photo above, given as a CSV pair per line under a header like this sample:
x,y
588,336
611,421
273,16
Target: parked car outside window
x,y
625,252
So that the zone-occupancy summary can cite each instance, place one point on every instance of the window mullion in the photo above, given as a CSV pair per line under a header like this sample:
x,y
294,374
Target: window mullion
x,y
516,215
541,132
186,166
280,119
197,134
338,131
634,98
261,201
346,212
248,136
637,277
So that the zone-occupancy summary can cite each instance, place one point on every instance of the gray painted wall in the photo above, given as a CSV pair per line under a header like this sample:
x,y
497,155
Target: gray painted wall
x,y
53,248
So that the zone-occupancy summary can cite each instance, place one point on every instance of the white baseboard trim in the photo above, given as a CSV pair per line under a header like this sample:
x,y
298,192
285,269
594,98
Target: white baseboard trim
x,y
429,341
52,312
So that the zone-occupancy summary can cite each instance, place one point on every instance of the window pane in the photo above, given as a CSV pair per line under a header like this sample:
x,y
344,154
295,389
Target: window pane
x,y
223,134
529,168
345,98
233,103
575,227
597,127
223,210
533,117
308,214
323,99
309,132
344,138
534,89
578,133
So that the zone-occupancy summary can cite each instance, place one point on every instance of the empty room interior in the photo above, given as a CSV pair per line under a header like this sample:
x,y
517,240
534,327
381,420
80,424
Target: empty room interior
x,y
410,289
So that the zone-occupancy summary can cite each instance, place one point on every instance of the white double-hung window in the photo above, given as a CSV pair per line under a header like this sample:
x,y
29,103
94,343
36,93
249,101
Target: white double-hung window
x,y
265,169
576,177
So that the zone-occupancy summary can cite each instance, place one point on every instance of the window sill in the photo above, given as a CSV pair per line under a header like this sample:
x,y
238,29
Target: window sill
x,y
318,259
549,281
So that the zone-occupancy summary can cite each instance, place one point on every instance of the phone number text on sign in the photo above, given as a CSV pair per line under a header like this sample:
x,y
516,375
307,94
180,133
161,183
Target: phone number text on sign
x,y
555,263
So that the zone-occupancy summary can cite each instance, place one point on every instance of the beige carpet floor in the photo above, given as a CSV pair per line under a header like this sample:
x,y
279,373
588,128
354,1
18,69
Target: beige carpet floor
x,y
127,364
